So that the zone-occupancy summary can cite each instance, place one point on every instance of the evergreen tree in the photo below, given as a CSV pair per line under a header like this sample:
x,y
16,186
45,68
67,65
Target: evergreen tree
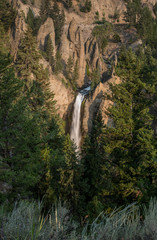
x,y
69,68
87,6
7,14
36,78
130,142
58,19
41,145
19,138
72,73
95,77
49,52
68,3
59,64
27,62
147,27
45,10
96,174
134,9
30,19
70,174
4,48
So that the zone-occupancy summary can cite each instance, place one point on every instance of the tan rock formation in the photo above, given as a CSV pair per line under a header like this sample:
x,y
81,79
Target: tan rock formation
x,y
98,101
46,29
78,43
17,33
108,7
63,96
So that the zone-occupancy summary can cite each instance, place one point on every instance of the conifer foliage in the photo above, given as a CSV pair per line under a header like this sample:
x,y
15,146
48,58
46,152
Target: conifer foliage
x,y
17,126
49,52
131,143
120,160
7,14
58,17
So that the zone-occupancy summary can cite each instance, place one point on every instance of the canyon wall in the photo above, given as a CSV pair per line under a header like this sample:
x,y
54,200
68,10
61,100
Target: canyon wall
x,y
78,42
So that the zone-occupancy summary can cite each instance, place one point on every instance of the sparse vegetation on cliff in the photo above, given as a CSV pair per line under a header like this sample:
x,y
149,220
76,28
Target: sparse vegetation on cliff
x,y
86,7
102,33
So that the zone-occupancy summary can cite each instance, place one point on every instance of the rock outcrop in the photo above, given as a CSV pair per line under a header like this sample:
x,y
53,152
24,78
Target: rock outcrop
x,y
63,96
77,41
98,101
47,29
17,33
72,44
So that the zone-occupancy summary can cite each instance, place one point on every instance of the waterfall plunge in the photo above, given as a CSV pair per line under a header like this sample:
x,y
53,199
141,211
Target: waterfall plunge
x,y
76,119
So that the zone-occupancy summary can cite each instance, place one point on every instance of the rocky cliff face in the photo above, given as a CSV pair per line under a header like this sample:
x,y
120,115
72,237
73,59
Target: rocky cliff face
x,y
98,101
47,29
78,42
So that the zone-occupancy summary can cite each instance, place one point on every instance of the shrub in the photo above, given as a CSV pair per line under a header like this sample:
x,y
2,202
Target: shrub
x,y
24,1
26,221
116,38
87,7
102,34
155,9
132,222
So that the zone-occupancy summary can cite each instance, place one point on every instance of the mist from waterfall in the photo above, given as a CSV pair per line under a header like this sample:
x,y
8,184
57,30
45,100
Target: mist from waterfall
x,y
75,133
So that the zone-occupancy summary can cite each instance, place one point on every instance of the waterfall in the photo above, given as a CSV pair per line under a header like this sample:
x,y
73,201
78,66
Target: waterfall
x,y
76,119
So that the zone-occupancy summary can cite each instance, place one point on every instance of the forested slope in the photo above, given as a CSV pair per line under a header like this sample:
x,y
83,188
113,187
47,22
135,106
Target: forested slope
x,y
48,51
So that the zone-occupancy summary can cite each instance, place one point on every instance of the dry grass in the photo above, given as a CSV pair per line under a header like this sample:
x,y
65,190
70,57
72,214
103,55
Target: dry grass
x,y
26,222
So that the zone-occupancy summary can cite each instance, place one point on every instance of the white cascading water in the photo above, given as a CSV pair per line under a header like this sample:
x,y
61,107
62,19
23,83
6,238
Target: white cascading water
x,y
75,134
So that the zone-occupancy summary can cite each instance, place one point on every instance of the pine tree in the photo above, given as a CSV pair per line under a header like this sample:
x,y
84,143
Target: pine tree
x,y
72,72
19,138
147,27
96,174
69,68
59,64
68,3
87,6
134,9
49,52
130,142
36,78
7,14
30,19
95,77
70,174
4,49
58,19
45,10
27,61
